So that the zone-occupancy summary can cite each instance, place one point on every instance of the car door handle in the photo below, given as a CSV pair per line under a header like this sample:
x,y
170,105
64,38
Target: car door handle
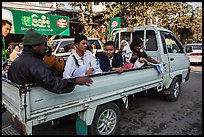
x,y
171,59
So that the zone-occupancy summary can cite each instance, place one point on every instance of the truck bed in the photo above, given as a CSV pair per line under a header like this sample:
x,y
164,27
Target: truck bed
x,y
39,105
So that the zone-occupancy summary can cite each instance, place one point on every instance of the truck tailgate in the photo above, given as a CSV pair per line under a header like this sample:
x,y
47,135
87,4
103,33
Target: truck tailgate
x,y
11,97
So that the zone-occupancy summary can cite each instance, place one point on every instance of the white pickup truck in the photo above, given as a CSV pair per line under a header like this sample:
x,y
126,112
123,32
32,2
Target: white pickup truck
x,y
97,105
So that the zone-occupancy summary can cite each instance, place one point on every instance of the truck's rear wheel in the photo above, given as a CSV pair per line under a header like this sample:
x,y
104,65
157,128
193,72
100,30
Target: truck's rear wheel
x,y
174,90
106,120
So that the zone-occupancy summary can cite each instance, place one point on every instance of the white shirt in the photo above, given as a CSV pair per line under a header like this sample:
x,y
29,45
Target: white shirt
x,y
94,52
138,64
86,62
111,59
127,53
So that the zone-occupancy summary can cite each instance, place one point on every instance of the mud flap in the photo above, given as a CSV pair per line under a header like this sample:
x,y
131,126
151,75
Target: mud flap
x,y
187,76
81,127
125,101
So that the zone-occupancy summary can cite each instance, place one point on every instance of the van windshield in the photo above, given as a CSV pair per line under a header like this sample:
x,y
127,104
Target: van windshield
x,y
53,44
62,46
190,48
97,44
195,47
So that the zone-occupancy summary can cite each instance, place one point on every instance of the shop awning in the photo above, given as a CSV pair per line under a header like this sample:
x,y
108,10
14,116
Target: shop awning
x,y
46,24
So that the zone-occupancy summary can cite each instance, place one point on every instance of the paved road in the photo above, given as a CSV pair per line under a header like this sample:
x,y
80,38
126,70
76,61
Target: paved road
x,y
148,114
196,68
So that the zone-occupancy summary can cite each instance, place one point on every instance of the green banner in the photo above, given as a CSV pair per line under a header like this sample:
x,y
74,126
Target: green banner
x,y
44,23
115,23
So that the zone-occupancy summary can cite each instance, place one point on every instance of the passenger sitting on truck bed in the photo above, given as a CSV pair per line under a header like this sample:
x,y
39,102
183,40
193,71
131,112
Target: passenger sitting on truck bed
x,y
109,60
125,51
30,67
136,46
5,69
81,62
53,62
141,60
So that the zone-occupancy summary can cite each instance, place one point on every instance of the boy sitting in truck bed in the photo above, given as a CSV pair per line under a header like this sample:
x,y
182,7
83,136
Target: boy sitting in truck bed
x,y
81,62
109,60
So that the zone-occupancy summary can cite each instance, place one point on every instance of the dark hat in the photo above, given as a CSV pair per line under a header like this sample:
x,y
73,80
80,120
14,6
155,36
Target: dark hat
x,y
33,37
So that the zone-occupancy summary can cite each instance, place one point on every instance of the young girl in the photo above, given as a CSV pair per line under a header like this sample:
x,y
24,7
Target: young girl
x,y
126,54
126,51
142,56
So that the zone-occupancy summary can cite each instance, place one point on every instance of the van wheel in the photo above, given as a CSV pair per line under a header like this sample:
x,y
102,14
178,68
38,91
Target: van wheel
x,y
106,120
174,90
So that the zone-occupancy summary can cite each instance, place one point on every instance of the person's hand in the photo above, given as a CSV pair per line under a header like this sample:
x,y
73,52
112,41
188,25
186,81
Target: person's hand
x,y
90,71
119,70
84,81
61,59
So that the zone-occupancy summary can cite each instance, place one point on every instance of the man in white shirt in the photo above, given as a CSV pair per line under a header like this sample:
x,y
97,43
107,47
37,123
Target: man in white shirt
x,y
81,62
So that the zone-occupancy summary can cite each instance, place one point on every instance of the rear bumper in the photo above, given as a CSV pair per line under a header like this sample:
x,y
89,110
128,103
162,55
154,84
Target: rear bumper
x,y
195,59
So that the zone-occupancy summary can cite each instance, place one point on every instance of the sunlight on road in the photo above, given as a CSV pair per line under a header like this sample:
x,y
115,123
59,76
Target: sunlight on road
x,y
196,68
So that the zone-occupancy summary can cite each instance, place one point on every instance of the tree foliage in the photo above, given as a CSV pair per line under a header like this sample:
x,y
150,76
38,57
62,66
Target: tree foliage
x,y
179,17
84,21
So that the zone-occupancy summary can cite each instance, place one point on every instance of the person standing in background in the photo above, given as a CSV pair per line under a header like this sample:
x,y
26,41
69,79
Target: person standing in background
x,y
6,28
16,52
93,49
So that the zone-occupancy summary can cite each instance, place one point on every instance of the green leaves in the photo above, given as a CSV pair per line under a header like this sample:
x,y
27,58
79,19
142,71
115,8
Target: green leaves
x,y
179,17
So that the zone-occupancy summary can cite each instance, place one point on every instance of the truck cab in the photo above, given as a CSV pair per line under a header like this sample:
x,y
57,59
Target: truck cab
x,y
160,44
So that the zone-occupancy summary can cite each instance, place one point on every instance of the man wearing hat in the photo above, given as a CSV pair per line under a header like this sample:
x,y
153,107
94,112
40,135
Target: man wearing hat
x,y
30,67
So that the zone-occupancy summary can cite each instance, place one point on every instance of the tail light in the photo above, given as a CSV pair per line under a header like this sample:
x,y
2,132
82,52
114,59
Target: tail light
x,y
195,54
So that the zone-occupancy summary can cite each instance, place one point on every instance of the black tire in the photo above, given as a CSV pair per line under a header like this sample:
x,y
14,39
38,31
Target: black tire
x,y
174,90
106,120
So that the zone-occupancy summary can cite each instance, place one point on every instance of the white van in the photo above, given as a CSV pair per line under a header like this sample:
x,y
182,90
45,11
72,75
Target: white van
x,y
62,47
194,51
